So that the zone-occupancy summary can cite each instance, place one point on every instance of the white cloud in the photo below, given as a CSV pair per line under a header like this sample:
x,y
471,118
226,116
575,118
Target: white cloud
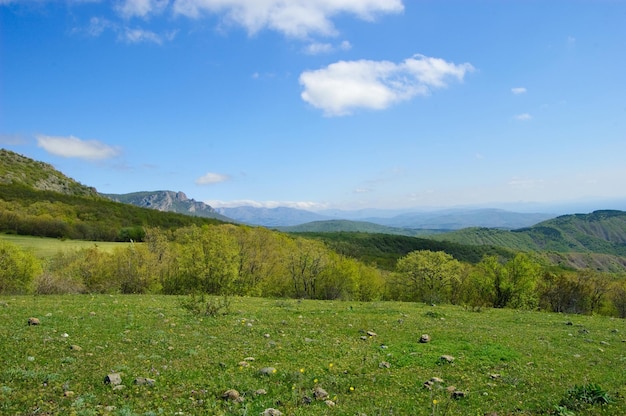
x,y
518,90
141,8
211,178
523,117
317,48
296,18
344,86
140,35
73,147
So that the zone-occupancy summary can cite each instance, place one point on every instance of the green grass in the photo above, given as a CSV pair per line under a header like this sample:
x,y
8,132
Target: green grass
x,y
509,362
46,247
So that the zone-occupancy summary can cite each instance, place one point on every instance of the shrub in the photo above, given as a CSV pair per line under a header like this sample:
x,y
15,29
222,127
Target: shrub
x,y
17,269
579,397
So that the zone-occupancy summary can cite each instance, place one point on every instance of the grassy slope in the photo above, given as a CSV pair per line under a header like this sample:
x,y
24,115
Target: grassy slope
x,y
46,247
193,360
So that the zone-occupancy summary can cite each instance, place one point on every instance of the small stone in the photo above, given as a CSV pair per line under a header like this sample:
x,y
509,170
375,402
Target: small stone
x,y
266,371
110,408
569,323
271,412
451,389
436,380
142,381
33,321
244,364
319,393
75,348
425,338
329,403
307,340
457,394
260,392
249,359
364,338
446,359
65,335
231,394
428,385
604,343
384,364
68,393
113,379
119,387
92,313
371,333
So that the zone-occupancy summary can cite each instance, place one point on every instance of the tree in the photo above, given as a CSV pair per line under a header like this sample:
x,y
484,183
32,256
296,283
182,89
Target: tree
x,y
305,264
17,269
428,275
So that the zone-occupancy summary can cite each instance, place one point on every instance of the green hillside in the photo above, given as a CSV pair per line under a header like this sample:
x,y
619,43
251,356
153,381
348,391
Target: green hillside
x,y
385,249
333,226
599,232
37,200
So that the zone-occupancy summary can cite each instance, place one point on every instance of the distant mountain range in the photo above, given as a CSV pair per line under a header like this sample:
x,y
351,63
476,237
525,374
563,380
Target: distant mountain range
x,y
451,219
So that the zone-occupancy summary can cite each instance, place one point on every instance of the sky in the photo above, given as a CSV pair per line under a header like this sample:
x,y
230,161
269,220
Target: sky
x,y
339,104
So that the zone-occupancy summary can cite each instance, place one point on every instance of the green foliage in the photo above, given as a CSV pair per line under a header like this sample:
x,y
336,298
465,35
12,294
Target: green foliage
x,y
427,276
204,305
579,397
18,268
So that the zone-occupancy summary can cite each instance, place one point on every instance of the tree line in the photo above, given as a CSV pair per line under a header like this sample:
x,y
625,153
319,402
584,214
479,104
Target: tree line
x,y
238,260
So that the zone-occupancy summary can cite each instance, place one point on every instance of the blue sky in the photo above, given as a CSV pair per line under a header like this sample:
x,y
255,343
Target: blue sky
x,y
342,104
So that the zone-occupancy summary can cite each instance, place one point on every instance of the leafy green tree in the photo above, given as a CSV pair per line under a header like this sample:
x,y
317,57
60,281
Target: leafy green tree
x,y
305,264
428,276
206,261
18,268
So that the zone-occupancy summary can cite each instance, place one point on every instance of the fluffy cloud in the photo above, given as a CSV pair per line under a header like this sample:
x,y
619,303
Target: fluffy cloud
x,y
344,86
141,8
518,90
73,147
523,117
297,18
211,178
266,204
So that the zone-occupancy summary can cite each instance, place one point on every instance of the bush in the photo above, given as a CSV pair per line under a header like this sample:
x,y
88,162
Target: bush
x,y
204,305
17,269
579,397
51,284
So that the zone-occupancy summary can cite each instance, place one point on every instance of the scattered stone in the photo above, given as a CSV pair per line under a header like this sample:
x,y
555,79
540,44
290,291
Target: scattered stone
x,y
614,331
33,321
113,379
119,387
363,337
569,323
92,313
249,359
384,364
65,335
446,359
307,340
143,381
451,389
425,338
307,400
604,343
110,408
583,331
267,371
271,412
319,393
68,393
329,403
457,394
244,364
436,380
371,333
232,395
383,346
260,392
75,348
266,335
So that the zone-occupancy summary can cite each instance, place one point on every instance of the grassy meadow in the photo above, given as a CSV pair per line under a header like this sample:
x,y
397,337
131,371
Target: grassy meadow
x,y
44,247
275,352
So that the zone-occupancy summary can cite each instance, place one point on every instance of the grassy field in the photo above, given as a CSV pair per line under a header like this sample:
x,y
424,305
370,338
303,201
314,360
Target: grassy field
x,y
505,361
46,247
